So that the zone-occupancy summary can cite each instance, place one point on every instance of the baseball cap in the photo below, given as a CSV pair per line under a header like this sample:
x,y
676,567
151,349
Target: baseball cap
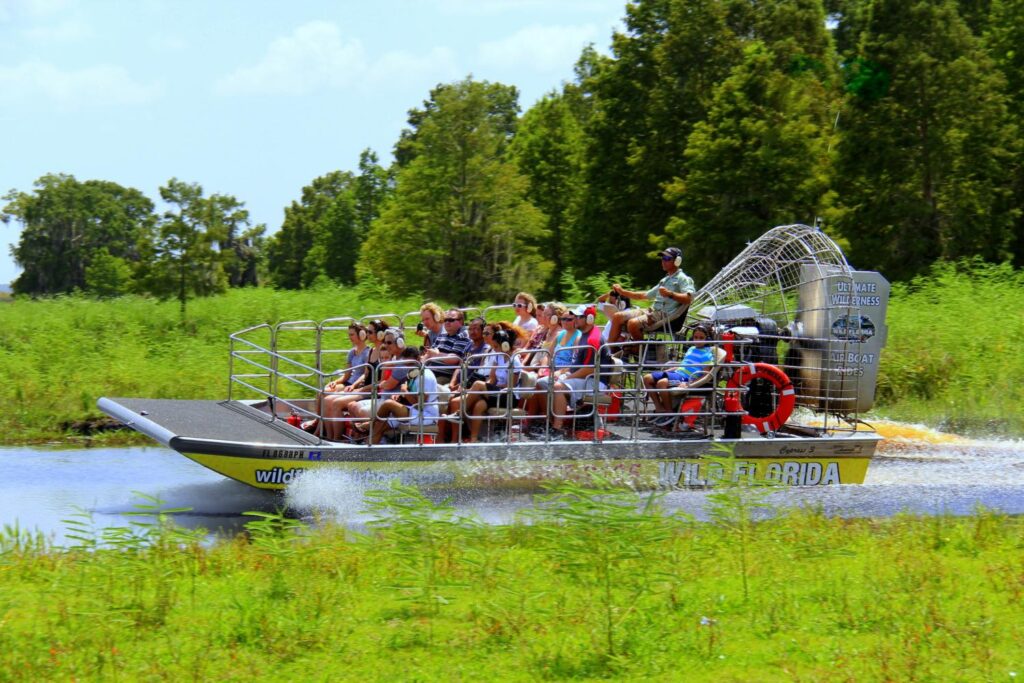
x,y
582,311
672,252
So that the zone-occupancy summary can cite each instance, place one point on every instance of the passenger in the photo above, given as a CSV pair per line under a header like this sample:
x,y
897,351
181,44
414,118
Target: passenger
x,y
429,327
672,296
476,355
389,377
569,336
448,350
697,362
405,405
542,342
526,312
612,303
504,367
335,406
356,367
574,382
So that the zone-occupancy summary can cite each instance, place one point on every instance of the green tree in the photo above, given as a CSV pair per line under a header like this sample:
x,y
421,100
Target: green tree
x,y
320,235
108,276
459,226
926,141
760,159
1004,38
66,223
185,260
548,149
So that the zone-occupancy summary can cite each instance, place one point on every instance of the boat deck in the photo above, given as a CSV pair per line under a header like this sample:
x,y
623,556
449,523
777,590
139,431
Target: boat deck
x,y
168,420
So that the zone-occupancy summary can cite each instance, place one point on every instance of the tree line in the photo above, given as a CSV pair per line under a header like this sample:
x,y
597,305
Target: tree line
x,y
894,124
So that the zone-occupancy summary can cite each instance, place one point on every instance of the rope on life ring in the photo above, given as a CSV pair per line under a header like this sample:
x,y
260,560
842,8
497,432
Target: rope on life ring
x,y
779,379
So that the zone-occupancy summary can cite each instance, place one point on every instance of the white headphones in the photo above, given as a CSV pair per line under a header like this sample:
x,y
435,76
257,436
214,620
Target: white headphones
x,y
361,333
621,303
554,319
590,318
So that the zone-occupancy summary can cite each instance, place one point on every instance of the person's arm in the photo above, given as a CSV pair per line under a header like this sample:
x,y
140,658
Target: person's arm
x,y
683,299
629,294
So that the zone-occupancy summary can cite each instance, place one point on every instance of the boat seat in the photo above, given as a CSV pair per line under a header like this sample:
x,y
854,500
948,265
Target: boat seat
x,y
527,381
615,379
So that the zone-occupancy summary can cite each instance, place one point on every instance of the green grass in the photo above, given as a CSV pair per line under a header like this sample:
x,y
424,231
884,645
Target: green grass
x,y
953,356
595,586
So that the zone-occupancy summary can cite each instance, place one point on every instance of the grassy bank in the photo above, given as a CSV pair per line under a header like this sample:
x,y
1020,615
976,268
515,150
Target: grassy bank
x,y
952,358
591,588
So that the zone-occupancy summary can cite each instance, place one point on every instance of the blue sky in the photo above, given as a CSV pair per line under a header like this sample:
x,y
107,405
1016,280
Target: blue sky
x,y
253,98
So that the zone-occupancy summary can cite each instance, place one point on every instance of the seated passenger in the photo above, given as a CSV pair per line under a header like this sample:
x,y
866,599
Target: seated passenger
x,y
406,403
503,366
672,296
476,355
389,377
356,367
697,362
336,405
526,312
572,383
543,338
429,327
612,303
447,351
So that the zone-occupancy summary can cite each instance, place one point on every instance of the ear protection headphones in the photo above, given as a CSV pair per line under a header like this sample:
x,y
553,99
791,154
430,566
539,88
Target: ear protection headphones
x,y
530,306
379,329
504,344
400,342
590,317
678,261
554,319
622,304
438,317
413,374
361,333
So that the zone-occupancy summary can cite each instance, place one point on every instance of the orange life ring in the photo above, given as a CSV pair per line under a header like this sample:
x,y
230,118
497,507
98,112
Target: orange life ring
x,y
787,395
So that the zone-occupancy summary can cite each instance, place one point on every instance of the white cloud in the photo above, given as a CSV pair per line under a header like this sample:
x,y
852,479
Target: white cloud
x,y
63,32
315,56
542,48
312,57
402,67
94,86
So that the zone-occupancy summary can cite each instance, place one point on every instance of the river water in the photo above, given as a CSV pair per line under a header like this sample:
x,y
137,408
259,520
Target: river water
x,y
916,470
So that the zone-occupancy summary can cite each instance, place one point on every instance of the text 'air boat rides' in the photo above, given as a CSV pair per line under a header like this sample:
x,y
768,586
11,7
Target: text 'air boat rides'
x,y
775,358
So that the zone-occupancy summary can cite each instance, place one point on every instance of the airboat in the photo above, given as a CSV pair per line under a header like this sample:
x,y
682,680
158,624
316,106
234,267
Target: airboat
x,y
797,334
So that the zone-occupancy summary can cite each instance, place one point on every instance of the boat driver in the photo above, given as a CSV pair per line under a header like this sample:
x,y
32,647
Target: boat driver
x,y
672,296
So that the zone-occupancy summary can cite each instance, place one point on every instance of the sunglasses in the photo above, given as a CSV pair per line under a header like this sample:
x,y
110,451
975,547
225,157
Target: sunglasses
x,y
389,343
667,258
452,320
518,305
568,318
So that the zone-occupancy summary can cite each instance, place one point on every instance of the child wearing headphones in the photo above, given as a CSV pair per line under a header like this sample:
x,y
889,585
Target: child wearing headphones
x,y
526,312
504,366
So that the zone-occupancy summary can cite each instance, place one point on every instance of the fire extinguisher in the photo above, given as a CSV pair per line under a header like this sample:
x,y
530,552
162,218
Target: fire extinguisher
x,y
295,420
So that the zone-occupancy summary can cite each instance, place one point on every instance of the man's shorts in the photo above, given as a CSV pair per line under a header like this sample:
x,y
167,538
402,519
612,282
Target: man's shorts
x,y
581,387
674,378
652,320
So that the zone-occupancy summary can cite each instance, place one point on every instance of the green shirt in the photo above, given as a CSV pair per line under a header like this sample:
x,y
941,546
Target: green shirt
x,y
678,282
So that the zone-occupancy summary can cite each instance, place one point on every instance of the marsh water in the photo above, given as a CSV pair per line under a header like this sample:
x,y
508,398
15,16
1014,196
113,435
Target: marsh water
x,y
916,470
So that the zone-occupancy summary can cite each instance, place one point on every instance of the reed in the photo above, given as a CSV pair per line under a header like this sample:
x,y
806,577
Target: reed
x,y
594,584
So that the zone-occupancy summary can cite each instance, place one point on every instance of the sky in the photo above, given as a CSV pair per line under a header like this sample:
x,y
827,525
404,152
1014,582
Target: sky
x,y
253,98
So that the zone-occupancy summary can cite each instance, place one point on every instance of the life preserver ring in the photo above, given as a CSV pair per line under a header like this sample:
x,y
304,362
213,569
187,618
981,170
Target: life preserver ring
x,y
779,379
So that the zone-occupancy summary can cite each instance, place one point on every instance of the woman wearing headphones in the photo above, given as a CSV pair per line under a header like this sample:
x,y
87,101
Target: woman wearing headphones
x,y
504,367
526,312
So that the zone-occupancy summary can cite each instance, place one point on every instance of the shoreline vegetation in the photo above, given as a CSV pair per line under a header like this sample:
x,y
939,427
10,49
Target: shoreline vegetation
x,y
586,585
949,362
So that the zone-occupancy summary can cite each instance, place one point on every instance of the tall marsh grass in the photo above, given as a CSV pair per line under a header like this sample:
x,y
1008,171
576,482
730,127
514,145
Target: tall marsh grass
x,y
953,356
596,584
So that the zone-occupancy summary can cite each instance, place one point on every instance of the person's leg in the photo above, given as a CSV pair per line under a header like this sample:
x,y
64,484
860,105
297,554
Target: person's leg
x,y
662,400
560,405
387,409
618,321
476,419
